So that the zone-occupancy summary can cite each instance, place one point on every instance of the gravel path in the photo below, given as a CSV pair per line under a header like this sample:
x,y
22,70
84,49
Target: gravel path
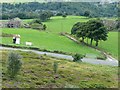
x,y
109,61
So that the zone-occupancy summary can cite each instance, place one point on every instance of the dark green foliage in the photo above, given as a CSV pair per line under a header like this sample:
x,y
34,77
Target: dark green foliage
x,y
87,13
97,31
34,9
44,27
64,15
14,64
75,28
55,67
93,29
82,31
118,24
77,57
45,15
37,24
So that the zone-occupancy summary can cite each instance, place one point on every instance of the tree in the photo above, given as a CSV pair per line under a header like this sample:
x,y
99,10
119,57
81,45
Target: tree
x,y
93,29
101,34
43,16
81,32
97,31
44,27
14,64
87,13
75,28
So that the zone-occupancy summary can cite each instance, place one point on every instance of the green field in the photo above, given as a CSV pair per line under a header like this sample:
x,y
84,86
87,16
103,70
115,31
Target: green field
x,y
59,24
37,72
111,45
47,40
52,40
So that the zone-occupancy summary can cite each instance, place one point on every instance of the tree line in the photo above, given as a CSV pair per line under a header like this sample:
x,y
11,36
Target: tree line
x,y
34,9
93,30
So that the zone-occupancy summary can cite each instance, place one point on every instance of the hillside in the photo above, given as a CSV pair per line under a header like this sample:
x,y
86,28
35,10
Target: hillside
x,y
34,9
60,43
37,72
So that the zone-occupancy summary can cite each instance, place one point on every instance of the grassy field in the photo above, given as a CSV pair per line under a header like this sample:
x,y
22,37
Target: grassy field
x,y
59,24
37,72
47,40
51,39
111,45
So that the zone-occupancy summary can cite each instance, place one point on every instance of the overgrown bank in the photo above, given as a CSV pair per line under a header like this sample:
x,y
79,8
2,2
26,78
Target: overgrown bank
x,y
37,71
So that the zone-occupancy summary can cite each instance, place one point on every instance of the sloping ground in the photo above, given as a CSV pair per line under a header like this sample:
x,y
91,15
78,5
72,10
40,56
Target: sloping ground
x,y
59,24
37,71
52,40
47,40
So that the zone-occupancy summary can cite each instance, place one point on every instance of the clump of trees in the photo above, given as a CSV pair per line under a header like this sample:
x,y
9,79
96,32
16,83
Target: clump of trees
x,y
37,24
87,13
45,15
93,30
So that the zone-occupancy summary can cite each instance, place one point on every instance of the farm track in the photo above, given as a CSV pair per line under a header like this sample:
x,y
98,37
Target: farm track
x,y
108,61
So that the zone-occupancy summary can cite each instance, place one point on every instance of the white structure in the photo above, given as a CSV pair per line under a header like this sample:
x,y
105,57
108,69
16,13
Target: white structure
x,y
17,39
28,43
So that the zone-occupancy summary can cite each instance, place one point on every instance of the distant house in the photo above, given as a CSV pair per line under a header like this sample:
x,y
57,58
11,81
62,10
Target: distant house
x,y
14,23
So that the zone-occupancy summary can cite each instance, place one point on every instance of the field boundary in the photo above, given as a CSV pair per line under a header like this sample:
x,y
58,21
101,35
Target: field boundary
x,y
78,42
37,49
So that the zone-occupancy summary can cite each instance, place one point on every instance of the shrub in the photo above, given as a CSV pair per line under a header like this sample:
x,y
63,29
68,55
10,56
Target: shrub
x,y
55,67
36,26
44,27
14,64
77,57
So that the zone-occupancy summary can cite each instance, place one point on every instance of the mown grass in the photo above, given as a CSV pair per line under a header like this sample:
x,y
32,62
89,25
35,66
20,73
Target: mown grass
x,y
59,24
37,72
110,45
52,40
47,40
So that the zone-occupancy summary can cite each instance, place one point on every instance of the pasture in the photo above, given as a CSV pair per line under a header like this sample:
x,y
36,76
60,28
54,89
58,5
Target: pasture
x,y
52,40
47,40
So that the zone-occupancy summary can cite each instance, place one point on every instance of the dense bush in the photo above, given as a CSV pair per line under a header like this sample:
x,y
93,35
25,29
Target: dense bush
x,y
77,57
14,64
